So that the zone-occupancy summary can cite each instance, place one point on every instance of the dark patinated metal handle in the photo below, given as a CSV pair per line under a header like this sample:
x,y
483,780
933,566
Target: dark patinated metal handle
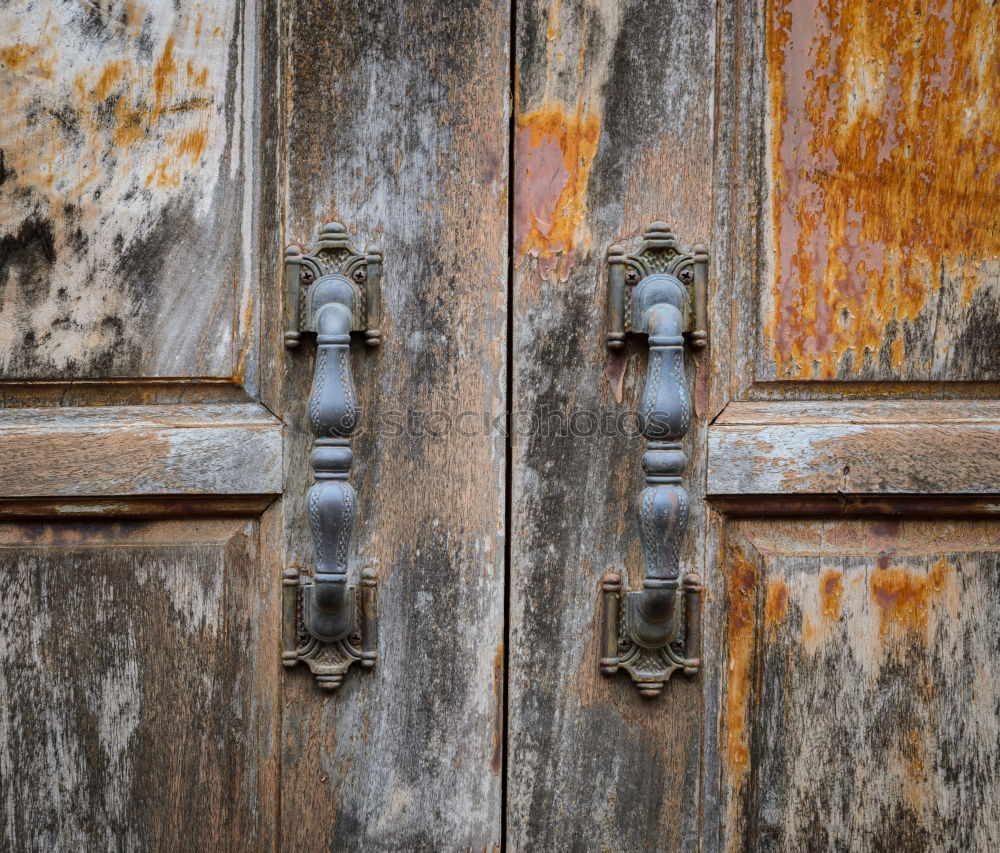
x,y
327,623
652,632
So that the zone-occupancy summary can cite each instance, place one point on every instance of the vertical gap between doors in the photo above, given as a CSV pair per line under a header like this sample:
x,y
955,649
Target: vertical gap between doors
x,y
509,448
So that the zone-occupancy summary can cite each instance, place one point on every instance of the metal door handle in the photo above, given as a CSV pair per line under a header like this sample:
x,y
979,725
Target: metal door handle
x,y
330,292
652,632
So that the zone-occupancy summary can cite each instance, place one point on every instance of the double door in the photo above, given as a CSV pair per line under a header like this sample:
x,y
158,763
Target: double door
x,y
837,163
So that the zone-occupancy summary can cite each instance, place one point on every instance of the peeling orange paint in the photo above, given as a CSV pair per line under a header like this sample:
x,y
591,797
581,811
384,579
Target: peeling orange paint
x,y
775,603
14,56
554,150
112,73
742,593
193,143
831,591
903,597
885,156
163,77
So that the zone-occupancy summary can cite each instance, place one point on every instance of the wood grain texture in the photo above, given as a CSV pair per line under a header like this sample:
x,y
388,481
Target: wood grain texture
x,y
397,127
883,128
828,412
127,190
140,450
913,458
613,130
861,708
130,682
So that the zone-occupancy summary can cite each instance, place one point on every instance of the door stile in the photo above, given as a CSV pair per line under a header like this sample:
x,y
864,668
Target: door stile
x,y
396,127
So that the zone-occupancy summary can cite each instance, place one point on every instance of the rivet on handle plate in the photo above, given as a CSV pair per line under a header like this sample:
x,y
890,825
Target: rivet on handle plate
x,y
331,291
658,291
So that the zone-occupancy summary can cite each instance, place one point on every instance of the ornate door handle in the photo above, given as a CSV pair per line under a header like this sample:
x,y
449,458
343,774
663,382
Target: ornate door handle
x,y
652,632
330,292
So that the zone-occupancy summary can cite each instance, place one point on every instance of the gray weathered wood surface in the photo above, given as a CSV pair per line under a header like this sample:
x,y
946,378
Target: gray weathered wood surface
x,y
127,190
917,458
613,130
140,450
139,666
132,672
397,126
862,710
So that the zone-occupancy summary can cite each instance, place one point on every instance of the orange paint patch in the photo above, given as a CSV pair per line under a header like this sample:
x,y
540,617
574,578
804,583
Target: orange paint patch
x,y
885,156
109,78
15,56
193,144
903,597
775,603
553,154
742,594
831,592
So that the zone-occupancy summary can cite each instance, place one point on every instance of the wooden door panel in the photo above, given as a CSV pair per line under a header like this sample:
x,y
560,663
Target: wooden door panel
x,y
127,196
861,705
137,711
884,247
140,659
885,447
852,459
131,451
855,242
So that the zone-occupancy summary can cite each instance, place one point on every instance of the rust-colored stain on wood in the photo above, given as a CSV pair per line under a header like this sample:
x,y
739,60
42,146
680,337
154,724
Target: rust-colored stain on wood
x,y
496,760
775,603
903,597
553,153
742,587
885,160
831,591
109,124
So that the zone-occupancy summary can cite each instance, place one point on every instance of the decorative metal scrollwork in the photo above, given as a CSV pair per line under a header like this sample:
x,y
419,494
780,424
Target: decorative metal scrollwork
x,y
658,291
329,292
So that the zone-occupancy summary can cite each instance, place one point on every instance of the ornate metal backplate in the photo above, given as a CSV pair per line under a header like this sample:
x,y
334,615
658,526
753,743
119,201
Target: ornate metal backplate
x,y
333,253
650,669
329,662
659,252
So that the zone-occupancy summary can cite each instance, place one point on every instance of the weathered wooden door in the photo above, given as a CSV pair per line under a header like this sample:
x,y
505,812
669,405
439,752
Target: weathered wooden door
x,y
840,161
840,164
